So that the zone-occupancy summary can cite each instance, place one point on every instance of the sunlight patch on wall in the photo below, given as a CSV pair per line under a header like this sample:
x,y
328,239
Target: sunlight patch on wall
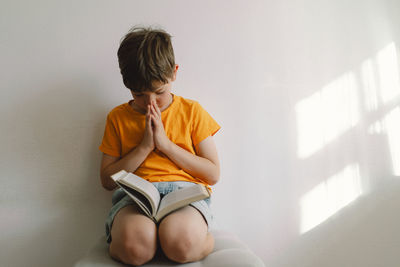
x,y
376,128
388,73
392,127
370,85
330,196
326,114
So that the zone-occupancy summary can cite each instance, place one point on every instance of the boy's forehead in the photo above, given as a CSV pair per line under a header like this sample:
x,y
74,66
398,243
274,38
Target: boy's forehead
x,y
156,86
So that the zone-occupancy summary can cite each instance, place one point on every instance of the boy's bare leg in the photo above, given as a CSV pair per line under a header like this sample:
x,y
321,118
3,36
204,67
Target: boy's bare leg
x,y
184,236
134,237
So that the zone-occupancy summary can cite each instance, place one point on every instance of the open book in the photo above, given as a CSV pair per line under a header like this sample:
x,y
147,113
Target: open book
x,y
146,195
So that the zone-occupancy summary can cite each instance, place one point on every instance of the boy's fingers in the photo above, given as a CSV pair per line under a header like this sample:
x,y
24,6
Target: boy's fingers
x,y
153,119
156,108
148,116
153,109
148,110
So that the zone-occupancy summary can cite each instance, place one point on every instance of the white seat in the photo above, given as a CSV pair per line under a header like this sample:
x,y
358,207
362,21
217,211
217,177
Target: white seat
x,y
228,251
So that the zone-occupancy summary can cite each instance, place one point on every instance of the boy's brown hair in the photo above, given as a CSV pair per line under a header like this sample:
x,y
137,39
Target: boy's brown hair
x,y
146,55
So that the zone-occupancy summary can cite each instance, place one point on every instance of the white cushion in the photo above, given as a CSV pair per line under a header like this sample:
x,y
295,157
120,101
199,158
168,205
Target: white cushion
x,y
228,251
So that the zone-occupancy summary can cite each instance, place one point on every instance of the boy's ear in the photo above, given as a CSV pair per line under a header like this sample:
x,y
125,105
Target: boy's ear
x,y
175,71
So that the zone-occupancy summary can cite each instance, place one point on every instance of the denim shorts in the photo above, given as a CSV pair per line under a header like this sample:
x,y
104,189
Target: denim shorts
x,y
120,200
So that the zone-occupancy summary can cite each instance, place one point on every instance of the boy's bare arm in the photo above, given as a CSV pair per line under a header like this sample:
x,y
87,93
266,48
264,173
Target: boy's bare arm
x,y
204,165
130,162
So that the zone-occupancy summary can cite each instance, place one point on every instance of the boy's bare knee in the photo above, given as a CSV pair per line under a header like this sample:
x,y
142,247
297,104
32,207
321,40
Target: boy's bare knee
x,y
138,254
132,253
180,249
185,242
135,251
134,237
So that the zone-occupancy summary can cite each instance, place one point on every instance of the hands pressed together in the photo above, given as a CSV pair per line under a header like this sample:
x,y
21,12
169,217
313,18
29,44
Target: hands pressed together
x,y
154,133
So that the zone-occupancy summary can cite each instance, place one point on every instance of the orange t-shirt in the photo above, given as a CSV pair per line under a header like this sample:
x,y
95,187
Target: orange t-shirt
x,y
186,124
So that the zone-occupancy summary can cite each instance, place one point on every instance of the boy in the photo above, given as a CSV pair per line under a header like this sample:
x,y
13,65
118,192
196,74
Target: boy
x,y
165,139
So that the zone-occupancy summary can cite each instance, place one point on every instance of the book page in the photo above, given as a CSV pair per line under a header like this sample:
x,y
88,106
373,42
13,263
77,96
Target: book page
x,y
181,198
144,187
141,200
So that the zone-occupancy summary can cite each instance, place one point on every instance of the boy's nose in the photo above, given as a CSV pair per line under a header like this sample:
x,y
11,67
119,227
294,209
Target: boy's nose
x,y
150,98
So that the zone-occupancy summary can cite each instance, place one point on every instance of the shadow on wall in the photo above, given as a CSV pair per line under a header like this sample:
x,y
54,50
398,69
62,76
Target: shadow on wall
x,y
349,128
58,135
343,96
365,233
343,128
334,124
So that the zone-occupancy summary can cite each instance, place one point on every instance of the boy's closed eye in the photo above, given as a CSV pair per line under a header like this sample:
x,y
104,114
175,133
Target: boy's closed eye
x,y
157,93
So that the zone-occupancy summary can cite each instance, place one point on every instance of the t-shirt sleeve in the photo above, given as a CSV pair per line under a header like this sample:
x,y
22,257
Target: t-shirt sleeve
x,y
203,125
111,144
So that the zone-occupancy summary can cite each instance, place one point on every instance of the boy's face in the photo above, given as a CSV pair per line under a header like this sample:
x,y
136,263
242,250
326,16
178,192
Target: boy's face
x,y
161,94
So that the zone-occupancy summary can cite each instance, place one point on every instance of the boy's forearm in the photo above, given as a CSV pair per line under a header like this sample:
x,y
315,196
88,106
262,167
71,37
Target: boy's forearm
x,y
130,162
197,166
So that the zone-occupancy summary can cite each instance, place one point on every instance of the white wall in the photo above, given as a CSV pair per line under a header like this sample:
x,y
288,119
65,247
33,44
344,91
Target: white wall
x,y
307,93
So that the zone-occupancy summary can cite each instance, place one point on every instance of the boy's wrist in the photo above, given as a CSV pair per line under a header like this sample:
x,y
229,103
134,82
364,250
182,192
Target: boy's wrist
x,y
166,146
144,149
